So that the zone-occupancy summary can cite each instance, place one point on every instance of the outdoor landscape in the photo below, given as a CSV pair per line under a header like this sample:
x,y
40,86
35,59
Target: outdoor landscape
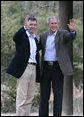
x,y
13,14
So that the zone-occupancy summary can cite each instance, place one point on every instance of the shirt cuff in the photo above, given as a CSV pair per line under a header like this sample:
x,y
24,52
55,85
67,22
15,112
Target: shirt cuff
x,y
25,28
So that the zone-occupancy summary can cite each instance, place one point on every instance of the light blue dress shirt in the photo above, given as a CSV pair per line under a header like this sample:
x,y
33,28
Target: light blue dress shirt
x,y
33,47
50,50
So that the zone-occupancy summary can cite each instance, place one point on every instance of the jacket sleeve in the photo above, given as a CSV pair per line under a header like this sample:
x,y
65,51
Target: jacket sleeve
x,y
39,43
18,35
69,36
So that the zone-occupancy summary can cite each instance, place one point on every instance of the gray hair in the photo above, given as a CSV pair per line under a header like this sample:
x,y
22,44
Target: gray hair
x,y
52,17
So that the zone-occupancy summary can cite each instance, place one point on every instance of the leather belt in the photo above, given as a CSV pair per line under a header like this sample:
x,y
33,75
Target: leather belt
x,y
51,63
32,63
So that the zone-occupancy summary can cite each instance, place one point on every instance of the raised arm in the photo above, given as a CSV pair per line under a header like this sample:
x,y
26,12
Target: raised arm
x,y
21,31
72,25
69,36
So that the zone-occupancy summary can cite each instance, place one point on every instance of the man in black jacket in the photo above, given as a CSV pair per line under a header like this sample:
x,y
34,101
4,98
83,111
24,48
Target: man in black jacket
x,y
25,65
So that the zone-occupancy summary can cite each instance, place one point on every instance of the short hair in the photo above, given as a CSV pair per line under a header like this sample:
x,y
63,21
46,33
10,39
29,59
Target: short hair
x,y
32,18
52,17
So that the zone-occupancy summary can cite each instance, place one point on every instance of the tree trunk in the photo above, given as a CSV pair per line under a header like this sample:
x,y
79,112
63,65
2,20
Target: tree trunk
x,y
66,13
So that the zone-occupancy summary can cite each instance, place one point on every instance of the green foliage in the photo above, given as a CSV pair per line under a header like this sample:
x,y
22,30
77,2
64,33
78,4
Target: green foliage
x,y
9,95
36,101
78,10
11,92
78,54
9,106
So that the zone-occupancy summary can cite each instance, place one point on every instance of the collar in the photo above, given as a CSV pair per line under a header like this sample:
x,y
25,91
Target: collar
x,y
29,35
54,34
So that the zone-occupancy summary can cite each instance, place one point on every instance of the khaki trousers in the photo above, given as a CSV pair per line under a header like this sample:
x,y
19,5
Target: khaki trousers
x,y
25,91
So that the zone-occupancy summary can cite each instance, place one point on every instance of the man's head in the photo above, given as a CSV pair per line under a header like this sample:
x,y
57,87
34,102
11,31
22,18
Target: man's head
x,y
32,25
53,24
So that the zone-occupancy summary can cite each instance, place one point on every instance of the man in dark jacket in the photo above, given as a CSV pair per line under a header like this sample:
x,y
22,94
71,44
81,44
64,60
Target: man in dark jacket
x,y
25,65
55,64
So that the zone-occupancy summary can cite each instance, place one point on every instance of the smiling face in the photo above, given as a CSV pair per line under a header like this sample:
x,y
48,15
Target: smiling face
x,y
32,26
53,25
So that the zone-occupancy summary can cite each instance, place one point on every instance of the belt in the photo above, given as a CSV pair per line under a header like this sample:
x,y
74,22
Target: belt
x,y
32,63
51,63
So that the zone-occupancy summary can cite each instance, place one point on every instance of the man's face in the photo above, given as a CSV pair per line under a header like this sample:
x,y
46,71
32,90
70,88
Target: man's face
x,y
32,26
53,25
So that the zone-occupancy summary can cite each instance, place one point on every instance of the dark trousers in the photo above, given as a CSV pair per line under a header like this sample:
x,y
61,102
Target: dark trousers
x,y
51,74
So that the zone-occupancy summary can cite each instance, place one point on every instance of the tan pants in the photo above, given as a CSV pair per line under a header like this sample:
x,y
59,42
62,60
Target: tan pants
x,y
25,91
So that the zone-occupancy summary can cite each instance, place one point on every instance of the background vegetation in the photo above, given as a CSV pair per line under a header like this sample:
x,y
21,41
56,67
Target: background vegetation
x,y
13,14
